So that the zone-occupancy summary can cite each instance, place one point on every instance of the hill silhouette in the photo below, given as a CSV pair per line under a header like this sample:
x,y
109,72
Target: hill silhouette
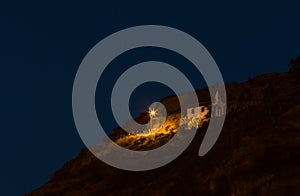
x,y
257,153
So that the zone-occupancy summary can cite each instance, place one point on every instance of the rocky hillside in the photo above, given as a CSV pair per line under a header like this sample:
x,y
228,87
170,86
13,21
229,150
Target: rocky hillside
x,y
257,153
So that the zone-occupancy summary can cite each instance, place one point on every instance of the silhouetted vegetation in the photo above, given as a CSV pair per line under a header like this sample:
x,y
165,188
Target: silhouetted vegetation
x,y
294,66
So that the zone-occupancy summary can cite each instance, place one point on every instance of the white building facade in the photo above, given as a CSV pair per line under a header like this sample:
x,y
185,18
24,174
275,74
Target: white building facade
x,y
197,112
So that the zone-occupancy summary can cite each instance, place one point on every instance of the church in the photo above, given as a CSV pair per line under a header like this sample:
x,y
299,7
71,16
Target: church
x,y
218,106
217,109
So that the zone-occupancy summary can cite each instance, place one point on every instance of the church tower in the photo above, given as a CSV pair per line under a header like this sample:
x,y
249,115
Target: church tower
x,y
218,106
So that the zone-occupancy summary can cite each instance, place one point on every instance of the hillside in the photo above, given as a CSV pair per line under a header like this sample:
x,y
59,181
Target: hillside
x,y
257,153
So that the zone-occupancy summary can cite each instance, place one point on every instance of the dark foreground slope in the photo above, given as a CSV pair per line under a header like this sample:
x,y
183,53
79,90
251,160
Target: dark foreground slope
x,y
257,153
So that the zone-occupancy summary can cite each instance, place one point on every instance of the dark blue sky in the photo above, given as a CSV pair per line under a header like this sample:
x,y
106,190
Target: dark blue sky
x,y
43,44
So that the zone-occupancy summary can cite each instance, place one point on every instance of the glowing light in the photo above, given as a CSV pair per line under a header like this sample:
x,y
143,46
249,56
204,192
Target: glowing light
x,y
152,113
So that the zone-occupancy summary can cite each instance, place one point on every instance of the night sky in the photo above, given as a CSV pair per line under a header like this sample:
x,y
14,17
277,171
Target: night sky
x,y
42,46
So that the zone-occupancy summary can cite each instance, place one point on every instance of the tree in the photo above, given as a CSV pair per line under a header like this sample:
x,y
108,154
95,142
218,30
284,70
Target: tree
x,y
295,66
